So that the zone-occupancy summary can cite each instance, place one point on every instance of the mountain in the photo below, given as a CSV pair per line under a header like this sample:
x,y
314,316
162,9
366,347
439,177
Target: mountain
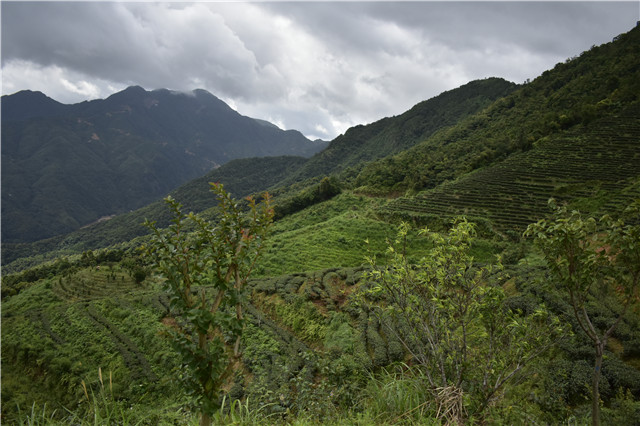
x,y
569,99
391,135
240,177
29,104
66,166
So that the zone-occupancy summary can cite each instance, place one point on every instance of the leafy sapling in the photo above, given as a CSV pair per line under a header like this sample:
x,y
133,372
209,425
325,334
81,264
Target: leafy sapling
x,y
464,341
206,266
586,255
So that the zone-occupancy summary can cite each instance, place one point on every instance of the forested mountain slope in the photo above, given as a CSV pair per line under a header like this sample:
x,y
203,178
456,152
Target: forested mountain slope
x,y
65,166
599,83
364,143
240,177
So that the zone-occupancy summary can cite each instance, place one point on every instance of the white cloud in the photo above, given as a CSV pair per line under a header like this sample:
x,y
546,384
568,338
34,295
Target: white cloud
x,y
59,83
321,129
316,67
82,88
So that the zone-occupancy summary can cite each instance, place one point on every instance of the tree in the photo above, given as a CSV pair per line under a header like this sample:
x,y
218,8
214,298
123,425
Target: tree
x,y
327,188
586,255
139,275
88,258
454,324
206,267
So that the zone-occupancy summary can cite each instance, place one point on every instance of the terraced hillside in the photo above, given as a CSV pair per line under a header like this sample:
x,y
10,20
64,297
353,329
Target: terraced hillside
x,y
312,351
64,328
602,82
340,232
89,285
598,168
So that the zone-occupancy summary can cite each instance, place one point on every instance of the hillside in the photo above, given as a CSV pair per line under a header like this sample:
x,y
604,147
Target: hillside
x,y
84,334
596,168
307,344
362,144
66,166
241,177
567,98
565,135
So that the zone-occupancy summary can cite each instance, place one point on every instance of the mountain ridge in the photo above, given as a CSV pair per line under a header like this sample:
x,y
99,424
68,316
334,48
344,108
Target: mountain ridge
x,y
391,135
27,104
65,166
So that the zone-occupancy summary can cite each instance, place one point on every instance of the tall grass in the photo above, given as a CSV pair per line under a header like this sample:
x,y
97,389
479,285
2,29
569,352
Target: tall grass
x,y
399,395
37,416
238,412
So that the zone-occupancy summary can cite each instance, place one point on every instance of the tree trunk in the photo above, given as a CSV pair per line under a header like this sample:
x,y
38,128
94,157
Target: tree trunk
x,y
205,420
595,403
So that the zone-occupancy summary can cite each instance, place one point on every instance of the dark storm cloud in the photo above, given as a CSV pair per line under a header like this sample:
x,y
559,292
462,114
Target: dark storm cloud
x,y
316,67
543,28
100,39
129,43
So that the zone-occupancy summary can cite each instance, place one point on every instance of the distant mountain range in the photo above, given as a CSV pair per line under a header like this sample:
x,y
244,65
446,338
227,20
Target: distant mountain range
x,y
66,166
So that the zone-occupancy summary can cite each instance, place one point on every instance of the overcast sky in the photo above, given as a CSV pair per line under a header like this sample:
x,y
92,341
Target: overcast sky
x,y
315,67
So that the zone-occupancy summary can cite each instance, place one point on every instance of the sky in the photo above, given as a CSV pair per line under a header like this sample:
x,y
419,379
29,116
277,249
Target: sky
x,y
317,67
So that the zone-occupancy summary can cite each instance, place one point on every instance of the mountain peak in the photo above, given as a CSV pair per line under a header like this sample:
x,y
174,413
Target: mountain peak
x,y
131,92
33,94
203,93
134,90
27,104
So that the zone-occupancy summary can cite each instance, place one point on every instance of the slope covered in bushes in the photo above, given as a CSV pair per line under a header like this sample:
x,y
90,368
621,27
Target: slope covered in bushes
x,y
601,82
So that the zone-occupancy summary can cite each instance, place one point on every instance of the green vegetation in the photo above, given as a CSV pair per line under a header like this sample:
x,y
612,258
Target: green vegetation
x,y
327,188
596,167
361,144
461,325
588,258
240,177
208,327
465,343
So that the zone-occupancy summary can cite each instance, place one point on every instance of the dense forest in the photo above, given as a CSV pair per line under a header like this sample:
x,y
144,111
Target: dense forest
x,y
475,260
